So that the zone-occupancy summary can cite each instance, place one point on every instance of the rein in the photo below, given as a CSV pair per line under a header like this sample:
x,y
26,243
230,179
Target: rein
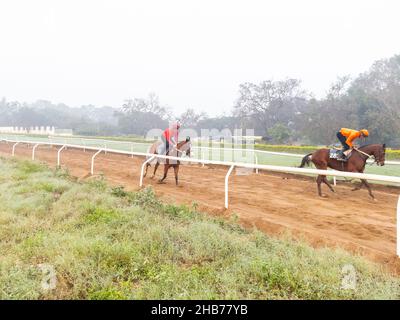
x,y
177,150
364,153
367,155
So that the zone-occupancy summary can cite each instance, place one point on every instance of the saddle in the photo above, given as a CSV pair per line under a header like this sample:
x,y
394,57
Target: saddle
x,y
337,154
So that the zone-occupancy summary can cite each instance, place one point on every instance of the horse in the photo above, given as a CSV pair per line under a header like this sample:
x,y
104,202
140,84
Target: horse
x,y
355,163
182,147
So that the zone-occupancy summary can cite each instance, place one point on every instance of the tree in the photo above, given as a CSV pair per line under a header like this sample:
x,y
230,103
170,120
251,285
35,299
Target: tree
x,y
149,105
375,96
321,119
191,119
138,116
279,133
268,103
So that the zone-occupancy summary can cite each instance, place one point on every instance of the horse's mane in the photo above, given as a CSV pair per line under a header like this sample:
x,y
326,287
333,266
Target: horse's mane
x,y
182,143
383,145
372,144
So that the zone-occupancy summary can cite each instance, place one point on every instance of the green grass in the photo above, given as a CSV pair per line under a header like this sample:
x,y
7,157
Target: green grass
x,y
107,243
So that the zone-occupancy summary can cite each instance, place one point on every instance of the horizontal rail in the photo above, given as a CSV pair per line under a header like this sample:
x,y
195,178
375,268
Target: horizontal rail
x,y
241,164
278,153
389,162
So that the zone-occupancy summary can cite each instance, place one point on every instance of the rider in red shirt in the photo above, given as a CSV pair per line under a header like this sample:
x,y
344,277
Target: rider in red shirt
x,y
170,137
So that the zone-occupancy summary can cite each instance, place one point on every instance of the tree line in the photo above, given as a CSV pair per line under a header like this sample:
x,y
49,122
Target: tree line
x,y
280,111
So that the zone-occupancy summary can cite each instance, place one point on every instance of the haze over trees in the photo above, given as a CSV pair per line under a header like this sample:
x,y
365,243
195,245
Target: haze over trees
x,y
280,111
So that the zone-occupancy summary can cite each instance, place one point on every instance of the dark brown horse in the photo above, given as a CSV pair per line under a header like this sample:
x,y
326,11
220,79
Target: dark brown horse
x,y
355,163
182,147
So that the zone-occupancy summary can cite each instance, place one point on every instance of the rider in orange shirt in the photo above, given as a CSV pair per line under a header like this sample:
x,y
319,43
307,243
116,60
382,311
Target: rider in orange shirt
x,y
346,138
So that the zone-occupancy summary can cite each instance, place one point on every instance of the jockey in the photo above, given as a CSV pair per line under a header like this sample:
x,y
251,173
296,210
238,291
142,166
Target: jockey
x,y
170,137
346,138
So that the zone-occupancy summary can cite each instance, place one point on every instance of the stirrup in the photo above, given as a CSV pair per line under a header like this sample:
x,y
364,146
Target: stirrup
x,y
342,156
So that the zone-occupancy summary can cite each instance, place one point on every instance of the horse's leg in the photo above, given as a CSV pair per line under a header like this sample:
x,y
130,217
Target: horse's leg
x,y
155,169
325,180
166,167
147,165
322,165
357,187
368,187
319,180
176,171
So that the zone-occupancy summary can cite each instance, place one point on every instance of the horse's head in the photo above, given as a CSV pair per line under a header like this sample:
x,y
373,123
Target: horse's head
x,y
379,152
185,146
380,155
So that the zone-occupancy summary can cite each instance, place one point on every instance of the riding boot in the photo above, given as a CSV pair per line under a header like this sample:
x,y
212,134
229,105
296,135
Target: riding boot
x,y
341,155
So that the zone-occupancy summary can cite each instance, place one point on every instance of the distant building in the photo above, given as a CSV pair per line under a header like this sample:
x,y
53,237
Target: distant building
x,y
40,130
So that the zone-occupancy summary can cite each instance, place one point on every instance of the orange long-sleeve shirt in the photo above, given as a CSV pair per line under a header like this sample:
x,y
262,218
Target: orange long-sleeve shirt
x,y
351,135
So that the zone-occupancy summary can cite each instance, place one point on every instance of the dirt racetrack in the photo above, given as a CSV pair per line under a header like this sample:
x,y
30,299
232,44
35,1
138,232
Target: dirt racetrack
x,y
273,203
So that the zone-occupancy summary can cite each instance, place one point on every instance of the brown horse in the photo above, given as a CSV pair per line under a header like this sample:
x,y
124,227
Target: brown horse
x,y
182,147
355,163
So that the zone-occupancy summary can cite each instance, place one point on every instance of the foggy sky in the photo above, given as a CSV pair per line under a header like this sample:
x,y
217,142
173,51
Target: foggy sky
x,y
191,53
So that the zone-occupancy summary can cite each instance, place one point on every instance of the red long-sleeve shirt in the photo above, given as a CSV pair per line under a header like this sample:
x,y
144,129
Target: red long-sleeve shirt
x,y
169,133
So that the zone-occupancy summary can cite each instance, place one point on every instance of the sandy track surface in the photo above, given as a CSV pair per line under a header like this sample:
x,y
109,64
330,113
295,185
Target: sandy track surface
x,y
273,203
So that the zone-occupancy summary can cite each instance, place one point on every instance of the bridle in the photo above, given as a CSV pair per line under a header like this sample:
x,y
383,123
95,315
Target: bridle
x,y
181,152
368,156
364,153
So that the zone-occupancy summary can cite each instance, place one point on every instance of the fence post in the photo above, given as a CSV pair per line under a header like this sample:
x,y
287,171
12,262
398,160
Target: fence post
x,y
398,227
58,155
227,185
94,156
84,144
255,155
13,148
33,151
142,172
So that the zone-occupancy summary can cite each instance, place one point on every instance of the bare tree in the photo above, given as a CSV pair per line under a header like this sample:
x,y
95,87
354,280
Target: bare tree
x,y
269,103
149,105
190,119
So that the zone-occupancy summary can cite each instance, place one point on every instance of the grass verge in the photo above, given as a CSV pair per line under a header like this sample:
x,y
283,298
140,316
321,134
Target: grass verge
x,y
105,243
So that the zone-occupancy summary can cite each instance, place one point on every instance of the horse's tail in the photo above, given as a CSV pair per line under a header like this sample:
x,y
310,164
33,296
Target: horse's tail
x,y
306,160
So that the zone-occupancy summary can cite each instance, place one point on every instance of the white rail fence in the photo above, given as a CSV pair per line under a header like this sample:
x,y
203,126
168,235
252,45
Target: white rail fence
x,y
202,148
105,144
231,165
